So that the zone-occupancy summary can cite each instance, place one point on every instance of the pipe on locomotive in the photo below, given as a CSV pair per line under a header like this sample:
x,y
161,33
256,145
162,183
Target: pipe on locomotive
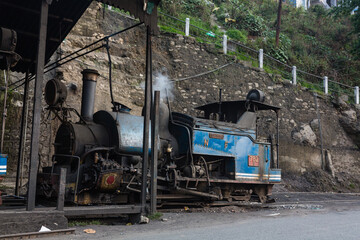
x,y
88,93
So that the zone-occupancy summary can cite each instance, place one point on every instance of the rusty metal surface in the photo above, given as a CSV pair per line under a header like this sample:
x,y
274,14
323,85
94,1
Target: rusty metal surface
x,y
101,211
88,93
197,193
217,180
35,134
61,195
147,105
154,154
109,181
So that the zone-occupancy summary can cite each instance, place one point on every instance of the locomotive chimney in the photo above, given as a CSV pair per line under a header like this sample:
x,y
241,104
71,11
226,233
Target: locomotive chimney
x,y
88,93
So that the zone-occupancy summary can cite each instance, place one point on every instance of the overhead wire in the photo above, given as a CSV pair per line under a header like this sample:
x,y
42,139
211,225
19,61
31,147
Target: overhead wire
x,y
202,74
58,62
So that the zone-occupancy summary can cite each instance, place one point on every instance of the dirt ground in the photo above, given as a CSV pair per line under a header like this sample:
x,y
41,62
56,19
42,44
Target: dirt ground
x,y
320,181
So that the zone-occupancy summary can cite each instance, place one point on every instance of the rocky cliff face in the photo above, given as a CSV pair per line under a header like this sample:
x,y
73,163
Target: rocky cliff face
x,y
177,57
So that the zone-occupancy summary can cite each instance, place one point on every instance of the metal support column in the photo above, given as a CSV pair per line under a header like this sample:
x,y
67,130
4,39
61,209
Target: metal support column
x,y
154,150
148,87
277,139
4,114
35,135
61,195
22,135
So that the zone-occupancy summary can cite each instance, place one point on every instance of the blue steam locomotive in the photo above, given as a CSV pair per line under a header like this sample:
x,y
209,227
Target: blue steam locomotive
x,y
215,156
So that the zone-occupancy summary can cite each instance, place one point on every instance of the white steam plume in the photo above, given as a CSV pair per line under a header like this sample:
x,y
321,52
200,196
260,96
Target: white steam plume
x,y
162,83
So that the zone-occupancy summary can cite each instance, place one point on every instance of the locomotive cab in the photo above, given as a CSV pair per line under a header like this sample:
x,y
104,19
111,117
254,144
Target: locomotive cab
x,y
228,149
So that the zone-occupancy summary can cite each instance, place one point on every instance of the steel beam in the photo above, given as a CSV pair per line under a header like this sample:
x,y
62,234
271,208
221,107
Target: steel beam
x,y
29,10
22,135
4,114
277,138
61,195
154,150
35,136
148,87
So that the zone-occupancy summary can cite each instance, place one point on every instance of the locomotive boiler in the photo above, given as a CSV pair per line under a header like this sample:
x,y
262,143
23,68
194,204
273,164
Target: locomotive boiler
x,y
215,156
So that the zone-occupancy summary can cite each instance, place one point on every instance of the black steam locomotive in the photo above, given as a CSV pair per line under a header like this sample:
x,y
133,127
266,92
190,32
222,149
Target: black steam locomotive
x,y
217,156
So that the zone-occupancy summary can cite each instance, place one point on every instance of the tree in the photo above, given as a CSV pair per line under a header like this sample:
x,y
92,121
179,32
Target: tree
x,y
278,24
347,7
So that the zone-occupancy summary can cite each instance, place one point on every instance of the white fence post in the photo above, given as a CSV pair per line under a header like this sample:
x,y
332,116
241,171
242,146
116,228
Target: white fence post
x,y
187,27
357,95
225,44
261,58
326,85
293,72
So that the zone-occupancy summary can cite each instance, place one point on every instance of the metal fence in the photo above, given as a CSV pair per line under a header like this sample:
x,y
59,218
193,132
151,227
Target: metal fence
x,y
320,84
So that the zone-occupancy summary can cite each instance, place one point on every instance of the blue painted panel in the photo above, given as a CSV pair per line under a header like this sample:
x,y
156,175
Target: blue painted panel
x,y
244,148
238,147
203,144
3,164
275,175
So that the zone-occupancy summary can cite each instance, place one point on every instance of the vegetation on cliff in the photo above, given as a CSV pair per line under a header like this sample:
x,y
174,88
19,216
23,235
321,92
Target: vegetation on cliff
x,y
318,41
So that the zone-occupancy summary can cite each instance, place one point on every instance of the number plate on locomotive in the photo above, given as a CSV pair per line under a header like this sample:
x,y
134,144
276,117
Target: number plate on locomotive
x,y
253,161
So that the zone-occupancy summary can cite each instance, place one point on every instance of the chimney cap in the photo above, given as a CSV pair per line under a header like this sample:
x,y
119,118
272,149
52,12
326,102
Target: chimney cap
x,y
90,71
90,74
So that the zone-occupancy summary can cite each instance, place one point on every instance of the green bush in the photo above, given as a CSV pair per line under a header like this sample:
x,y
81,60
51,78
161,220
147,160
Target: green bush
x,y
255,25
172,7
199,8
281,52
237,35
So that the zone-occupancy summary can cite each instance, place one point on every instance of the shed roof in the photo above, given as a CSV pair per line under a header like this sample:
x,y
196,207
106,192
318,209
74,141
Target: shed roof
x,y
24,16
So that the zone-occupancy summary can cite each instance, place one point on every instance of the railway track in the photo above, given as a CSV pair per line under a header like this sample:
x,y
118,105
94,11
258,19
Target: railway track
x,y
35,235
292,200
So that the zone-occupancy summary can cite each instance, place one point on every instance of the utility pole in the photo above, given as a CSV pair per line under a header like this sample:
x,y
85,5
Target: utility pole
x,y
278,24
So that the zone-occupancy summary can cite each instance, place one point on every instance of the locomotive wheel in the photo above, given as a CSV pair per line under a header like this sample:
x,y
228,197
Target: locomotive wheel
x,y
261,193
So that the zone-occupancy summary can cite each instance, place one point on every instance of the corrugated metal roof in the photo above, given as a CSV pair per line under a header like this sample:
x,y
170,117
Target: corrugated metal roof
x,y
24,16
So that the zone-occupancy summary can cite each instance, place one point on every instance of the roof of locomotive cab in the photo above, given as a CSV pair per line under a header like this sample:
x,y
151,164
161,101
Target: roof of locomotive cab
x,y
233,105
231,111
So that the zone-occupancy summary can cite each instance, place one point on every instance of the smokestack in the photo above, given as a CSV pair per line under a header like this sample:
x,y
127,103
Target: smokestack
x,y
88,93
